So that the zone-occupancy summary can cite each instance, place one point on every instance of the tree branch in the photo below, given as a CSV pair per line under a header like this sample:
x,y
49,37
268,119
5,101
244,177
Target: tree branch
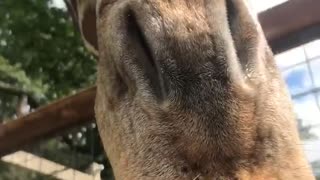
x,y
16,91
11,90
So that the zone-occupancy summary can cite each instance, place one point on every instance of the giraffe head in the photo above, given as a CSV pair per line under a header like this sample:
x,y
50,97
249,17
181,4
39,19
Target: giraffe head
x,y
189,89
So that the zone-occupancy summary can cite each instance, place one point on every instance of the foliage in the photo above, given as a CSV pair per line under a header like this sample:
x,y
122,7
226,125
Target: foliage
x,y
42,41
43,57
305,131
13,80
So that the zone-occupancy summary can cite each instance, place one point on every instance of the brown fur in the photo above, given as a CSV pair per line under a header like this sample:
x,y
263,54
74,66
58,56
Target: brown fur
x,y
188,89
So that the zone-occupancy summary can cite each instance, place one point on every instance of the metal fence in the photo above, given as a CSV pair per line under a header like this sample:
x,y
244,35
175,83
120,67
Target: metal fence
x,y
73,155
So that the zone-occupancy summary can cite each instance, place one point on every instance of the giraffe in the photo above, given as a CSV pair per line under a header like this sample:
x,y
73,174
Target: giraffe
x,y
189,89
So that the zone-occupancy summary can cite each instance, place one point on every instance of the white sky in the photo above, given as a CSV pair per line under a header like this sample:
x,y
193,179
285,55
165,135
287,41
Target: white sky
x,y
261,5
59,4
312,149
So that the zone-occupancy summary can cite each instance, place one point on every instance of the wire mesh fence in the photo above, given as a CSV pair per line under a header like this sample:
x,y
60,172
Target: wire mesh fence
x,y
73,155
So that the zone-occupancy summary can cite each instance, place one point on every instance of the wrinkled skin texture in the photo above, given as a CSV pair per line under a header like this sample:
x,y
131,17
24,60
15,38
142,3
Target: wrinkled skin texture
x,y
188,89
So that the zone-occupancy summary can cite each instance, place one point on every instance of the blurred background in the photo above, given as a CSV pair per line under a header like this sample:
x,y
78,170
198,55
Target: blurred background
x,y
300,69
42,59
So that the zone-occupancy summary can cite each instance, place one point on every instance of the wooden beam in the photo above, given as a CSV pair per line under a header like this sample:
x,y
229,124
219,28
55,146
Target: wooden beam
x,y
291,24
47,121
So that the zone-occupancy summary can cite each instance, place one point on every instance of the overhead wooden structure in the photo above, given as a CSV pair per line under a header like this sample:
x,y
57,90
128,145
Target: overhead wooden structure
x,y
286,26
291,24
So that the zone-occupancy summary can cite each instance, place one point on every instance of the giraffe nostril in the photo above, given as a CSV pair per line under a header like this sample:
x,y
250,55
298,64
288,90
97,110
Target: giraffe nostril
x,y
142,61
184,169
231,13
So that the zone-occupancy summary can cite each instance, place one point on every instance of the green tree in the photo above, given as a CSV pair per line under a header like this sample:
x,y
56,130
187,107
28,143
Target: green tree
x,y
42,42
43,58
